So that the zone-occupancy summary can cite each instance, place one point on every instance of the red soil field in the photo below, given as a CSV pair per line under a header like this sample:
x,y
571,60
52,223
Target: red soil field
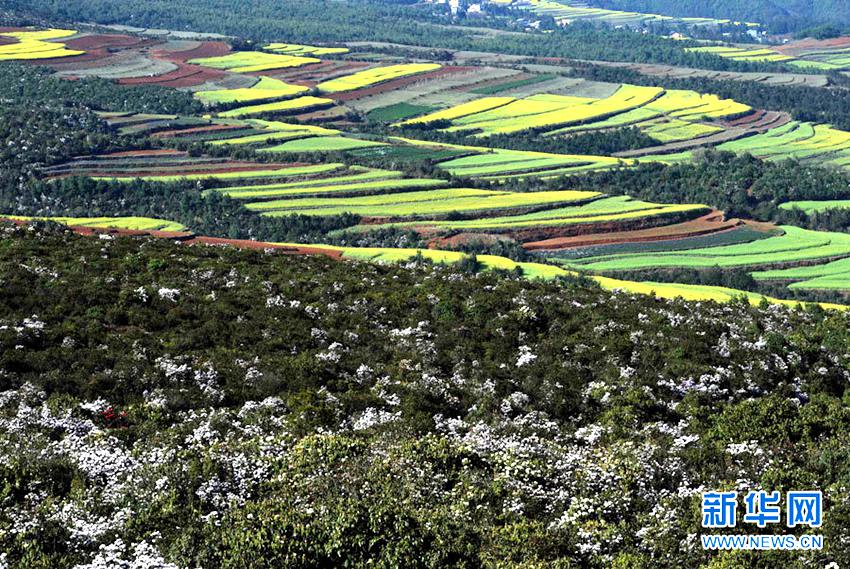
x,y
6,41
206,49
710,223
746,120
397,83
185,75
247,244
101,41
796,47
317,72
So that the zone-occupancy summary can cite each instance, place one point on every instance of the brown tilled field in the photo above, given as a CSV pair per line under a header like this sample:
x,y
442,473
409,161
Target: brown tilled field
x,y
710,223
206,49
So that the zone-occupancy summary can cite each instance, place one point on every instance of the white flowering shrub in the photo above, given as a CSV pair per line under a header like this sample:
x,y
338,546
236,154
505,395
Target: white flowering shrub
x,y
289,412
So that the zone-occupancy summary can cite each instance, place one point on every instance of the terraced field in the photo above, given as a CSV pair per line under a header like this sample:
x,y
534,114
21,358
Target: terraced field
x,y
132,223
794,245
265,89
350,128
372,181
374,76
816,206
291,106
577,11
304,50
820,55
743,53
603,211
667,115
32,44
323,144
253,61
498,164
827,276
172,166
421,204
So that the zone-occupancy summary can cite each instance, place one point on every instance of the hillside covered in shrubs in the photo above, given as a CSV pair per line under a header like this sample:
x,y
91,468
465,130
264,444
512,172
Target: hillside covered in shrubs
x,y
171,406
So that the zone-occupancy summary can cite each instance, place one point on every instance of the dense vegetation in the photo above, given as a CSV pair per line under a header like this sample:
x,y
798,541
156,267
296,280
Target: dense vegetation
x,y
778,15
36,85
742,186
601,142
170,406
399,22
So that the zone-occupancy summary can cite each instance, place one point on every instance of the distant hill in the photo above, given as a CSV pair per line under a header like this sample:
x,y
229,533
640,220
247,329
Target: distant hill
x,y
778,15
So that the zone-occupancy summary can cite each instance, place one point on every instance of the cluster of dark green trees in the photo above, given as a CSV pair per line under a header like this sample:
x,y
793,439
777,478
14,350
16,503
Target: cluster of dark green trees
x,y
740,185
37,85
600,143
399,22
440,345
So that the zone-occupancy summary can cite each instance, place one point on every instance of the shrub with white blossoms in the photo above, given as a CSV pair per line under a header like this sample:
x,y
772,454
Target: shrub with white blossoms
x,y
172,294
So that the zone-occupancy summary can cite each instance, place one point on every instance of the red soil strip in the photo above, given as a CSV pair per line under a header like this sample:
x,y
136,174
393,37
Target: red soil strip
x,y
206,49
795,48
134,153
248,244
189,238
5,30
102,41
491,82
317,72
7,41
398,83
71,63
184,76
196,130
189,168
710,223
760,121
747,120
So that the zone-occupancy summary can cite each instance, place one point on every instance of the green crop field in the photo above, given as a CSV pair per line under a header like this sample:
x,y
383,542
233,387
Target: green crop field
x,y
501,162
133,223
265,89
299,104
242,175
735,236
351,185
794,245
423,203
374,76
253,61
297,49
603,210
396,112
323,144
816,206
500,87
